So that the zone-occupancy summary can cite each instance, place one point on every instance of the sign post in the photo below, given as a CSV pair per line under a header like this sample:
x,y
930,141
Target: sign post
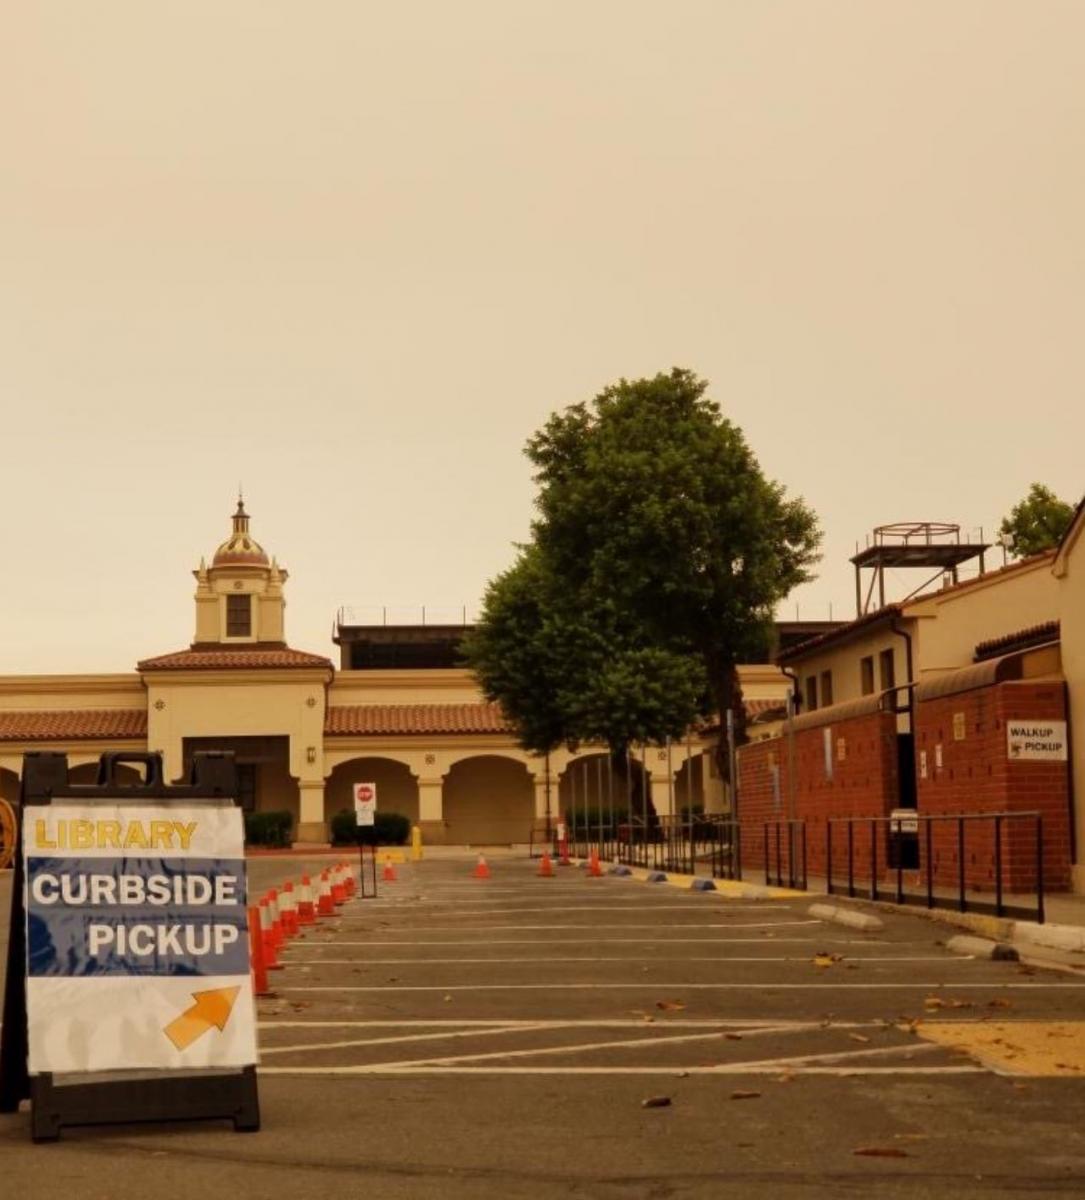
x,y
129,950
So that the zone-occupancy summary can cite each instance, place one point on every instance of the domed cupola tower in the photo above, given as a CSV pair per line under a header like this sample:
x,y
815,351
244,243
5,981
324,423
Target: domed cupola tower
x,y
239,598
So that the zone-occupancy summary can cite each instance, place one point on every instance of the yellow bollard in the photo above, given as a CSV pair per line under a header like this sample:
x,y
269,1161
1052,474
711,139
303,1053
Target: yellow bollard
x,y
416,844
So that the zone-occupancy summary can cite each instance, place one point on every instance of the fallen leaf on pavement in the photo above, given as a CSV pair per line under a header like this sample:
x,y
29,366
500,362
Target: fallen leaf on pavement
x,y
733,1037
670,1005
740,1095
858,1037
656,1102
881,1152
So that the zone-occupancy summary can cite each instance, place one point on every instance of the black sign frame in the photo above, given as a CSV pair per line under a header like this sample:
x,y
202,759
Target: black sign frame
x,y
199,1095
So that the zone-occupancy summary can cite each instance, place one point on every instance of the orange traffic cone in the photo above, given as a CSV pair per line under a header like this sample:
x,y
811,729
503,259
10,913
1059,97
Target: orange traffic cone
x,y
325,906
594,869
306,910
389,872
277,936
267,936
256,953
481,871
288,909
546,867
339,891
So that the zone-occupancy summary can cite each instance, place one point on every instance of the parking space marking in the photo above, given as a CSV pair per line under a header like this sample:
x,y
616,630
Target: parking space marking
x,y
638,941
738,1069
628,958
443,1035
457,928
656,984
742,1023
456,913
778,1064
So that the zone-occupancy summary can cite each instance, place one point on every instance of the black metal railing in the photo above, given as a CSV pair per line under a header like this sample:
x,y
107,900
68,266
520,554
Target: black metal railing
x,y
686,843
785,854
905,835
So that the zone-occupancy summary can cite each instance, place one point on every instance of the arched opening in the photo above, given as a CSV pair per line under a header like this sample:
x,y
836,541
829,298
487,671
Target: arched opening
x,y
397,788
488,800
591,784
689,783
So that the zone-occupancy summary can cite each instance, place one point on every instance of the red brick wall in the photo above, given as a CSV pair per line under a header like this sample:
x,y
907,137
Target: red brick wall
x,y
977,776
863,783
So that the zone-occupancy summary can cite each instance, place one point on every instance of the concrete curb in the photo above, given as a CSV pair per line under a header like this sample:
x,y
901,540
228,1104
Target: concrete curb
x,y
1053,937
846,916
979,947
1025,938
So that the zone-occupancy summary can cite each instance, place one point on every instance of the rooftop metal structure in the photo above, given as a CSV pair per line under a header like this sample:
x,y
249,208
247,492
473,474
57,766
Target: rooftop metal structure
x,y
912,544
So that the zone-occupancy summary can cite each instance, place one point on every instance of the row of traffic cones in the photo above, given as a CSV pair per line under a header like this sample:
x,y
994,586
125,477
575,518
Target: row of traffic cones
x,y
282,914
546,866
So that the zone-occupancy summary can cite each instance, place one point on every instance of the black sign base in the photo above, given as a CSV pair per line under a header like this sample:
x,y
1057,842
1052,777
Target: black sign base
x,y
170,1097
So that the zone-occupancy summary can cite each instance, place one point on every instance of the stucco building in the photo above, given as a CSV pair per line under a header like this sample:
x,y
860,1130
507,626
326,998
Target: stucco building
x,y
303,731
914,706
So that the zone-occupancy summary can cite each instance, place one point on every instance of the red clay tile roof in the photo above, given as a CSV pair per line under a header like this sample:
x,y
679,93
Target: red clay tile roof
x,y
1021,639
66,724
841,633
233,658
362,719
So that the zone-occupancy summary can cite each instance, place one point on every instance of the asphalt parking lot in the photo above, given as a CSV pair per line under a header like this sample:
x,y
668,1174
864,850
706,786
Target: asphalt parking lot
x,y
460,1037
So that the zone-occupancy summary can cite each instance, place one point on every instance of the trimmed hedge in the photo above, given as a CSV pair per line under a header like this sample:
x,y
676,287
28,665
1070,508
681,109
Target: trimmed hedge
x,y
388,829
586,822
268,829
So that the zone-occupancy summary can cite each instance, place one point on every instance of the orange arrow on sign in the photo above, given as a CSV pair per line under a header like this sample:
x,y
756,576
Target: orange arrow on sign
x,y
212,1007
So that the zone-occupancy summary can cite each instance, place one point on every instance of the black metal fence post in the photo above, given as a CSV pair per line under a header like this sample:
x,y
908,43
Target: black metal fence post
x,y
829,856
998,865
1039,869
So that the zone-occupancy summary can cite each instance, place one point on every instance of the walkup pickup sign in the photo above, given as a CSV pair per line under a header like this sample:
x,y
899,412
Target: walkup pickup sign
x,y
137,941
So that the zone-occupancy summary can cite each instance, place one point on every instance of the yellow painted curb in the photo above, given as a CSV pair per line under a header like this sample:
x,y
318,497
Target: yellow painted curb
x,y
726,889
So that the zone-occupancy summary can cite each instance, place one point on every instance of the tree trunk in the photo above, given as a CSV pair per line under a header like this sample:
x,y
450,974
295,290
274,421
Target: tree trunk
x,y
727,693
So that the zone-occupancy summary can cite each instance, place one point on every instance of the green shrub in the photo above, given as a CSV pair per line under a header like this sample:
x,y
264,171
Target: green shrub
x,y
585,822
268,829
388,829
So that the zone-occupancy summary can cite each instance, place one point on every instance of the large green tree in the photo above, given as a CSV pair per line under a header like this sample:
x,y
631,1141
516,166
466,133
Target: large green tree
x,y
1037,522
651,502
566,668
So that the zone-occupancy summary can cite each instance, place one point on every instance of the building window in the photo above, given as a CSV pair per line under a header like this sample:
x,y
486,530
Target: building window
x,y
866,675
246,786
887,669
811,693
826,688
238,616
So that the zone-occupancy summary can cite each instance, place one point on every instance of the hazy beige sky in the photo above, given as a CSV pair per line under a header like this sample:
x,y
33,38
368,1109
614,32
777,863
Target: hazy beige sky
x,y
353,254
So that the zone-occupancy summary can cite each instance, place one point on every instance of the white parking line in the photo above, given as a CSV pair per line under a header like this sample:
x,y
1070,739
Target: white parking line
x,y
335,943
739,1069
777,1063
455,913
742,1023
444,1035
552,927
362,961
655,984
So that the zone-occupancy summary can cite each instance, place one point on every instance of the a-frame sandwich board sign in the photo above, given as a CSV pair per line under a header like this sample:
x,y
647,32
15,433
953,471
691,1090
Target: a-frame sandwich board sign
x,y
128,995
